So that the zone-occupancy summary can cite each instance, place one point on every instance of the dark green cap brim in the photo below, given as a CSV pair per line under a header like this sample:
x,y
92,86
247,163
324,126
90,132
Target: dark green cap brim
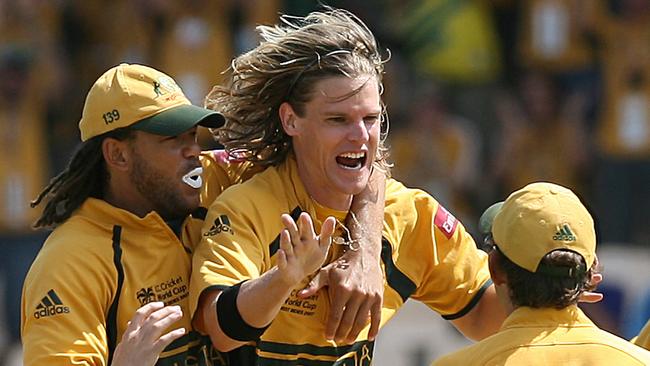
x,y
487,218
177,120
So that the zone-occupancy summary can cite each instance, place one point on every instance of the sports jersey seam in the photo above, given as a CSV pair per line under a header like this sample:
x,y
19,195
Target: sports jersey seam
x,y
575,343
275,244
111,319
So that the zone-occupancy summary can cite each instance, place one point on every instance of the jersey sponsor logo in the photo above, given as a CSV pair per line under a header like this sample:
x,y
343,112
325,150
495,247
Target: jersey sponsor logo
x,y
445,221
564,233
50,305
145,296
170,291
221,224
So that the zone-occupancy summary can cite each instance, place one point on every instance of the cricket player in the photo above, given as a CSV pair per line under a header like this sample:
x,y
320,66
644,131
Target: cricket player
x,y
543,259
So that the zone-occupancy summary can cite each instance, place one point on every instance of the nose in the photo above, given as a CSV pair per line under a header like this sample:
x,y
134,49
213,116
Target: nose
x,y
359,131
191,149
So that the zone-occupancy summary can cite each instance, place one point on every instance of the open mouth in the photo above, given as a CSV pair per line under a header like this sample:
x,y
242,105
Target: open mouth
x,y
193,178
352,161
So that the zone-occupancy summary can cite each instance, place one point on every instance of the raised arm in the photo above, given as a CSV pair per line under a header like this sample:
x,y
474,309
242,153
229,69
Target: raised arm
x,y
241,313
356,281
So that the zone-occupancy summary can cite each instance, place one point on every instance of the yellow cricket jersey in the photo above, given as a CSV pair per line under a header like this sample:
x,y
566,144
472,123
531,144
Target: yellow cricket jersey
x,y
427,255
643,339
549,337
96,269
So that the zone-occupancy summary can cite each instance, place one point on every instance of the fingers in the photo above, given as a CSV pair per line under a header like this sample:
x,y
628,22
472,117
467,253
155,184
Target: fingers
x,y
306,227
596,278
291,227
143,313
591,297
352,314
162,319
339,299
375,319
285,244
168,338
326,231
317,283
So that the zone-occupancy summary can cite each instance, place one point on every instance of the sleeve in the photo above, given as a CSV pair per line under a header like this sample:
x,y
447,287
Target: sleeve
x,y
220,172
64,308
230,250
455,273
643,340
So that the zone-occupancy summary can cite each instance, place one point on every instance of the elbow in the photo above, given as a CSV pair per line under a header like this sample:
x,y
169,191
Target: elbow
x,y
224,346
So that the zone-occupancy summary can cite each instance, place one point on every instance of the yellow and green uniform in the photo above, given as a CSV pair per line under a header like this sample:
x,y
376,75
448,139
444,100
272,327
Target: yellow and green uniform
x,y
97,268
643,339
426,255
549,337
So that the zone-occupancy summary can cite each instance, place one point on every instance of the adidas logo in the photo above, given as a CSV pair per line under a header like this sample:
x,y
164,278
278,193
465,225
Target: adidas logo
x,y
50,305
221,224
564,234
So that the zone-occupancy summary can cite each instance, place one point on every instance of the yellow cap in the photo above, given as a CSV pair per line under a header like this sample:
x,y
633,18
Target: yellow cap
x,y
143,98
538,219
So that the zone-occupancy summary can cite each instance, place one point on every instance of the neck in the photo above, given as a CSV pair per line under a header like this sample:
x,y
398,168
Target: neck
x,y
126,200
325,197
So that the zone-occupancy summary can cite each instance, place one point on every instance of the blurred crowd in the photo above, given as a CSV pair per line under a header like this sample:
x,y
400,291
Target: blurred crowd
x,y
483,96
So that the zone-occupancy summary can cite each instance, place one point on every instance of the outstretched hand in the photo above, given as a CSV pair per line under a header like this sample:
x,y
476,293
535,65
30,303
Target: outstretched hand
x,y
143,339
302,252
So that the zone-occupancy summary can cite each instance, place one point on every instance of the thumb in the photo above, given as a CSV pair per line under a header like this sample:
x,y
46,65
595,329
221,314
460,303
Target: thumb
x,y
314,285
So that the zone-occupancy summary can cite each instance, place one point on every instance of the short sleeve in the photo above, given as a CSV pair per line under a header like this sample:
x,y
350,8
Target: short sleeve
x,y
230,251
65,297
449,271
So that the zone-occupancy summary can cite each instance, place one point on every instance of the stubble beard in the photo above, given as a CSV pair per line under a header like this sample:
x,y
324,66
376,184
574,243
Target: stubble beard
x,y
161,192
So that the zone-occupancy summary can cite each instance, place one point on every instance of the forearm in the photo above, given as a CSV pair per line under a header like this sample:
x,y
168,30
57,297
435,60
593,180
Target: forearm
x,y
484,319
258,302
367,219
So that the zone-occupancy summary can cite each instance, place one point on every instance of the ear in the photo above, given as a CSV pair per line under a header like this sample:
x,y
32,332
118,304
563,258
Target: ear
x,y
288,118
116,154
497,274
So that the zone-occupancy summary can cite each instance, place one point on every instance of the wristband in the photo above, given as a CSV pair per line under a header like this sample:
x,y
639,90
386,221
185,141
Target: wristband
x,y
230,320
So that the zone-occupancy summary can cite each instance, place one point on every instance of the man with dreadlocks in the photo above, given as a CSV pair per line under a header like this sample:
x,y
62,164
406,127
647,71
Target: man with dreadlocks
x,y
117,212
122,238
306,103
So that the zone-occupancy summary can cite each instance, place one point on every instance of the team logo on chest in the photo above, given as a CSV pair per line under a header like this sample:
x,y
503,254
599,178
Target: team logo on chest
x,y
169,292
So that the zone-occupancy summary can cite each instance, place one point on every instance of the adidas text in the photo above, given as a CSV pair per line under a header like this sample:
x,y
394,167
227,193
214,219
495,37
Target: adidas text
x,y
51,310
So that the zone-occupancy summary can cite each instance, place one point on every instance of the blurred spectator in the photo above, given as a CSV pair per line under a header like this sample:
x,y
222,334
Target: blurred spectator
x,y
439,152
454,43
542,136
23,170
623,138
202,39
558,37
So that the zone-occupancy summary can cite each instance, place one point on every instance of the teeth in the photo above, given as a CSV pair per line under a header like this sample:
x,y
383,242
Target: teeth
x,y
193,178
358,155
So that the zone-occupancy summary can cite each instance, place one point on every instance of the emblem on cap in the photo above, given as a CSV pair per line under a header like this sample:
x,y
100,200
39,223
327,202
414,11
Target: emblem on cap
x,y
564,233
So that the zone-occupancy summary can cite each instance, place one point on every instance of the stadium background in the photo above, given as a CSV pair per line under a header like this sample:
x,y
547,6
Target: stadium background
x,y
483,97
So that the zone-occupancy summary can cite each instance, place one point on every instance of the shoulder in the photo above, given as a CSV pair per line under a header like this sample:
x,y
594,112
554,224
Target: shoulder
x,y
265,187
415,205
254,203
77,247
